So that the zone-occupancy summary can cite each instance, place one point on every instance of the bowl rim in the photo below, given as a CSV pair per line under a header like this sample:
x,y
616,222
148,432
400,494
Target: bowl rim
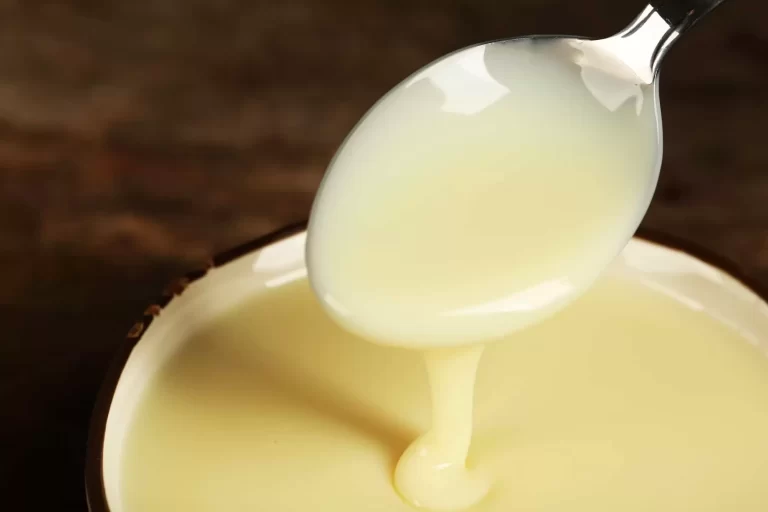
x,y
94,484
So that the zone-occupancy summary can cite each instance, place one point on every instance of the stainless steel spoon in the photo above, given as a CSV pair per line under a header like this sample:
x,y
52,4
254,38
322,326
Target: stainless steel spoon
x,y
609,95
635,54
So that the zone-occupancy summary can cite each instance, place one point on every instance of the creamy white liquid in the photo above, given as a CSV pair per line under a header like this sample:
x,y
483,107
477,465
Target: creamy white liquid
x,y
628,401
432,472
478,198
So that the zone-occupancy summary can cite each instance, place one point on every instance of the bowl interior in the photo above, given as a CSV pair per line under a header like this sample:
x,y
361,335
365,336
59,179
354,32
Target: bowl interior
x,y
687,279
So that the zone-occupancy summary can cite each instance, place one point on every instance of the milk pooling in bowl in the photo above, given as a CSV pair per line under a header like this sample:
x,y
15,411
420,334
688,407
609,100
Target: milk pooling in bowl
x,y
479,197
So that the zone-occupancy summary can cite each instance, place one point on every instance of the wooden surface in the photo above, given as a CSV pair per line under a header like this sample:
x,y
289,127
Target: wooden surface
x,y
137,138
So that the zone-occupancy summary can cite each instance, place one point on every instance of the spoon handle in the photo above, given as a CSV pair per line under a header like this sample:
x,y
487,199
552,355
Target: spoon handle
x,y
683,14
643,44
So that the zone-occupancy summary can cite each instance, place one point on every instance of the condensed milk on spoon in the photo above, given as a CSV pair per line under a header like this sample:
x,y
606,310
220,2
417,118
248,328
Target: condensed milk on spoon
x,y
476,199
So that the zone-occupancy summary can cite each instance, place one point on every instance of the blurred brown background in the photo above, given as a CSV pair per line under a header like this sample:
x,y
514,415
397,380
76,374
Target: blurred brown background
x,y
139,137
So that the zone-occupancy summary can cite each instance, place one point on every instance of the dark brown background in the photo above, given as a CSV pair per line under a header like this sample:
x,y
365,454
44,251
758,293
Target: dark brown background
x,y
139,137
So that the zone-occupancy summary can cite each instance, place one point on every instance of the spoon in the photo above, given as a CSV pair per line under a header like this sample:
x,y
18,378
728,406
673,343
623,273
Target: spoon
x,y
493,186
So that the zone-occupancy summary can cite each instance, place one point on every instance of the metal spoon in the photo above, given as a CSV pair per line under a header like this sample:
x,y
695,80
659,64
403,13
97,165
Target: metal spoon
x,y
615,77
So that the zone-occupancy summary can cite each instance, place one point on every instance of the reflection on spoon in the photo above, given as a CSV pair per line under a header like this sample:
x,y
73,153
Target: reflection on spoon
x,y
469,92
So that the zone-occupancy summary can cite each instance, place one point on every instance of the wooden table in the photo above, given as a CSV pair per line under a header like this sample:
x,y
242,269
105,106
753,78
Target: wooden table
x,y
137,138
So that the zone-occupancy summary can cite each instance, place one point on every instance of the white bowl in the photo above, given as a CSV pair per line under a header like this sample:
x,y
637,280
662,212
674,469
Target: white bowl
x,y
279,257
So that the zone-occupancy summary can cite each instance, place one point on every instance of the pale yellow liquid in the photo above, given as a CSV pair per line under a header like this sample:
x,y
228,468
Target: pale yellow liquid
x,y
479,197
627,401
432,472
